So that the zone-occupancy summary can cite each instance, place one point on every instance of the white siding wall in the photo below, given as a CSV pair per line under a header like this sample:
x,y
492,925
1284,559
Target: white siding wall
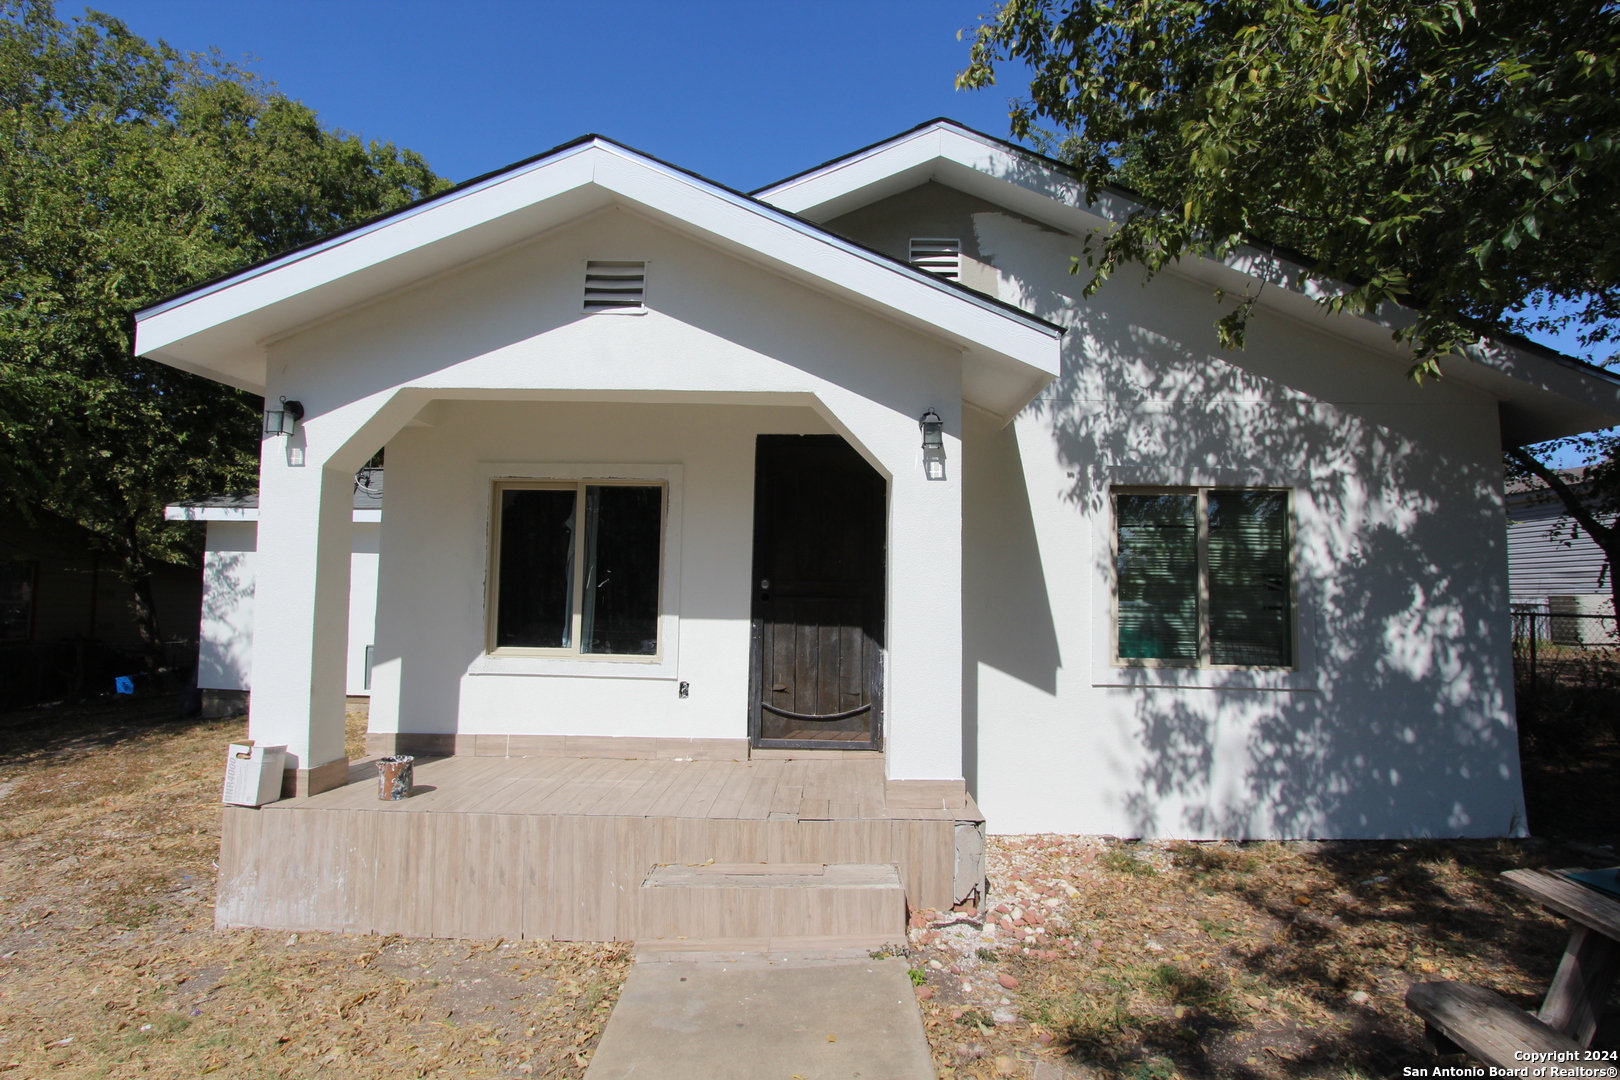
x,y
1400,719
363,568
431,621
1550,555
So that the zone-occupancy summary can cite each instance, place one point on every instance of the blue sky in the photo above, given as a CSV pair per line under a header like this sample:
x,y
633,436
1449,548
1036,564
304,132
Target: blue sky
x,y
742,92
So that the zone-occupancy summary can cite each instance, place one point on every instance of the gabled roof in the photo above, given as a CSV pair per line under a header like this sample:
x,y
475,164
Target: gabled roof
x,y
220,329
1543,393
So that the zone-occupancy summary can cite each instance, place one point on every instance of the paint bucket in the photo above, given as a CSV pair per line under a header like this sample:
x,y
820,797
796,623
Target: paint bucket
x,y
394,777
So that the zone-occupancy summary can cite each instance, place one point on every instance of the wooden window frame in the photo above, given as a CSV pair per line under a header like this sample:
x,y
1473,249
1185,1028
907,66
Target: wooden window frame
x,y
576,600
1201,520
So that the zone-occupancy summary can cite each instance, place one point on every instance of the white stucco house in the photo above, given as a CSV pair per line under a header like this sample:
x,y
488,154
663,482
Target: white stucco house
x,y
225,636
848,468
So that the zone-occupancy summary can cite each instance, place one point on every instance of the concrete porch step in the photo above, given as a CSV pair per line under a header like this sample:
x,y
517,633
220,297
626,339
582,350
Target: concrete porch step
x,y
733,902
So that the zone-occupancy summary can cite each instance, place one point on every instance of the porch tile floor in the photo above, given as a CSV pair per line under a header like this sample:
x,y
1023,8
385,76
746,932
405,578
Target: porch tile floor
x,y
756,790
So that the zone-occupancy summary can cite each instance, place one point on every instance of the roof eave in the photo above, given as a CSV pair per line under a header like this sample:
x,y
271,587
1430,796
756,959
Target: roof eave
x,y
1543,393
219,329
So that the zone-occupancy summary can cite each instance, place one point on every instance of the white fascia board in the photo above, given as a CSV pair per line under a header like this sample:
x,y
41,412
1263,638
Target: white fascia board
x,y
954,156
1519,378
241,513
220,330
1544,397
855,181
370,244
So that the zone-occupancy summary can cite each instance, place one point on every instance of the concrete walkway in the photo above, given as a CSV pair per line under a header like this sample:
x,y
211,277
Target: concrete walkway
x,y
764,1018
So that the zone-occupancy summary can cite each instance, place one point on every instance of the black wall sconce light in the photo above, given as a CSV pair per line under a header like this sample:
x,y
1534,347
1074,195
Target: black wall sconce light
x,y
933,430
283,421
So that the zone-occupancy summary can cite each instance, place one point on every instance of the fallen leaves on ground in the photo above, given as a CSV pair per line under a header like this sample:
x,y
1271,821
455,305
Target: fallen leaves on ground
x,y
1159,960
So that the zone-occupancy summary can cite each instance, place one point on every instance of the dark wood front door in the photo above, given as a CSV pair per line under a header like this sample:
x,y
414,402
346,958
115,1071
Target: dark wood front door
x,y
817,673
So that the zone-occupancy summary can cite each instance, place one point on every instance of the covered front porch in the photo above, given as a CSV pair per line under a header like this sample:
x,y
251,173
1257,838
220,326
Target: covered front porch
x,y
552,788
567,847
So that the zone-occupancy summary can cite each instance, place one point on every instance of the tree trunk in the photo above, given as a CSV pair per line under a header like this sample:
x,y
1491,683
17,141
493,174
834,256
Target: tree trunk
x,y
146,621
138,574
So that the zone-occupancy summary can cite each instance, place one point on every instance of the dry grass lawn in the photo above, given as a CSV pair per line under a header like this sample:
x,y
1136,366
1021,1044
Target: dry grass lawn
x,y
1162,960
1098,958
110,966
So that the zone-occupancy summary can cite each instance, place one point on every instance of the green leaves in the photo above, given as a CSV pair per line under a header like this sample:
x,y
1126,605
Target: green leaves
x,y
128,172
1455,157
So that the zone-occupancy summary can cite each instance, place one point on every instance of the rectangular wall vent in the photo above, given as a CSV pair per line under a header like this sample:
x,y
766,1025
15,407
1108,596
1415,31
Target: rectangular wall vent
x,y
615,285
937,255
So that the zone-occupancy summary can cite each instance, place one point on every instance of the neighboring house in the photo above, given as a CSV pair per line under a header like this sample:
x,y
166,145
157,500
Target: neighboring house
x,y
225,641
846,472
67,625
1555,567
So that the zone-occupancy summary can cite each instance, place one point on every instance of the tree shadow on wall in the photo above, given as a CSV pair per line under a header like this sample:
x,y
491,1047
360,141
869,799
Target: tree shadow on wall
x,y
225,605
1400,567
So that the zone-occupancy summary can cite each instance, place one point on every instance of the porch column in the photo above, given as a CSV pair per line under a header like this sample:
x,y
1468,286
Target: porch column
x,y
301,614
924,706
923,633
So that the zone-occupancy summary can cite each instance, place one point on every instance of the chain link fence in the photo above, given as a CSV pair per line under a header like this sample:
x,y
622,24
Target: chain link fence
x,y
1566,672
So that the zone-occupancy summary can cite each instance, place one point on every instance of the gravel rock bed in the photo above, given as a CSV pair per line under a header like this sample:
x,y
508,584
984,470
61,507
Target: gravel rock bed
x,y
1094,957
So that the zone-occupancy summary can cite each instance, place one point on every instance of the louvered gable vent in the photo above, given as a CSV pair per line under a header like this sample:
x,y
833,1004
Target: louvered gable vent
x,y
615,285
937,255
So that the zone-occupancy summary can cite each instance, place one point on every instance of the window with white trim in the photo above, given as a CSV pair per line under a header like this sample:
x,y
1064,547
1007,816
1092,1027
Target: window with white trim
x,y
576,568
1203,577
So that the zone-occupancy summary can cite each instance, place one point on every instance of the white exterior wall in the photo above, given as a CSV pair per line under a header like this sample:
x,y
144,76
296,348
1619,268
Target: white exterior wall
x,y
430,673
1399,720
225,649
722,337
225,640
363,566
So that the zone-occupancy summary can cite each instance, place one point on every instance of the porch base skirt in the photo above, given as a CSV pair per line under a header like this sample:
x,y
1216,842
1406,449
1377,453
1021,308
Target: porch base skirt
x,y
561,848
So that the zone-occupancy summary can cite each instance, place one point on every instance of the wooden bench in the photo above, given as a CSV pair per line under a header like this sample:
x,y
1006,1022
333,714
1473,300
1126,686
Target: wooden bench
x,y
1591,960
1484,1024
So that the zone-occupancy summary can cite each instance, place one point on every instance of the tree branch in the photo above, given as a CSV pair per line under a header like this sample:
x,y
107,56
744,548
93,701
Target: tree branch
x,y
1603,534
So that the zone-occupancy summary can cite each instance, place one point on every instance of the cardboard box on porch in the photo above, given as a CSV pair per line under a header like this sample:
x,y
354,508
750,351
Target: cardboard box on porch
x,y
253,773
